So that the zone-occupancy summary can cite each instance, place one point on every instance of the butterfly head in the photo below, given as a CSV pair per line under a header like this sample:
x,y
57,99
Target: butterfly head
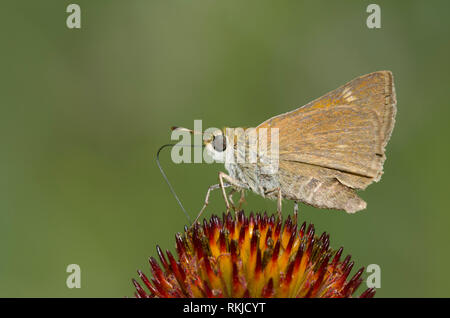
x,y
215,142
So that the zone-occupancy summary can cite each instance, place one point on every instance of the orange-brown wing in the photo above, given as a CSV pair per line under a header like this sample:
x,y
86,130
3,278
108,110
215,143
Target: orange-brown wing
x,y
345,130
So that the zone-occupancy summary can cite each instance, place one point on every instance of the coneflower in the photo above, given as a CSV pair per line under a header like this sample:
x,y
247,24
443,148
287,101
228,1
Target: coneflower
x,y
255,256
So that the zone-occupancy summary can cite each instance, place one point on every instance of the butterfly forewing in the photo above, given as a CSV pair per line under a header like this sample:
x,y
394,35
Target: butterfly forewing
x,y
338,137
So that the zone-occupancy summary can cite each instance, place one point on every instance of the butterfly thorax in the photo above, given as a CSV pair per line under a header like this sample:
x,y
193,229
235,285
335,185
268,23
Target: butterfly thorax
x,y
251,170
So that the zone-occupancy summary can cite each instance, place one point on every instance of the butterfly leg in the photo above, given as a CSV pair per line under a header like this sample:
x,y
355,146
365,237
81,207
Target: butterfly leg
x,y
213,187
233,182
230,198
242,199
278,190
295,212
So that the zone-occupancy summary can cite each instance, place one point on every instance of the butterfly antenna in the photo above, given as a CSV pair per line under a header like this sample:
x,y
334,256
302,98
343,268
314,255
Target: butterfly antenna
x,y
167,180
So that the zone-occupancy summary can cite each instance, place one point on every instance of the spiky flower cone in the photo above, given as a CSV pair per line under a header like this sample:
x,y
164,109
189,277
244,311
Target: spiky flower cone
x,y
255,256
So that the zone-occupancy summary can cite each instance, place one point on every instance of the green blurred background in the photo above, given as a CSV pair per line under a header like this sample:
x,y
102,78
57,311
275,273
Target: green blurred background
x,y
83,113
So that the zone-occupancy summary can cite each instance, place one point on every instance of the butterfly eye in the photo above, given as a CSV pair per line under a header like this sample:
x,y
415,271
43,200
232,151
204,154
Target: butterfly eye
x,y
219,143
